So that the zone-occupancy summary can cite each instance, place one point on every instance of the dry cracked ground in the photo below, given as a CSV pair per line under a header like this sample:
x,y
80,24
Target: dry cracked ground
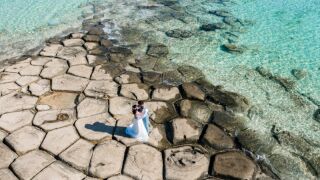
x,y
63,113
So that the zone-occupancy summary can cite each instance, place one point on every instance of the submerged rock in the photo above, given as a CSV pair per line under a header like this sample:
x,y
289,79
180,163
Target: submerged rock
x,y
179,33
316,115
299,73
233,48
157,50
213,26
221,13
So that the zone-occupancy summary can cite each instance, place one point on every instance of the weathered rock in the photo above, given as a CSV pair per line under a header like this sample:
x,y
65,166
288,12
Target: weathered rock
x,y
221,13
15,120
157,50
120,177
100,51
51,50
81,71
106,43
54,68
100,73
233,164
151,77
91,45
96,60
185,162
179,33
90,106
128,77
146,63
233,48
59,100
135,91
190,73
193,91
160,112
25,80
299,73
40,87
138,164
42,107
106,165
54,119
166,93
213,26
73,42
30,164
173,78
7,88
16,102
113,69
91,38
78,155
196,110
77,35
25,139
96,128
71,53
40,61
3,134
6,174
102,89
96,31
65,136
185,130
69,83
15,68
158,137
59,170
120,107
7,156
217,138
31,70
7,77
316,115
229,121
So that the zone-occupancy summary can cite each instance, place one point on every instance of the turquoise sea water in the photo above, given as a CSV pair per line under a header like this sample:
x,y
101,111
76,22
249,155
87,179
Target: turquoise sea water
x,y
278,35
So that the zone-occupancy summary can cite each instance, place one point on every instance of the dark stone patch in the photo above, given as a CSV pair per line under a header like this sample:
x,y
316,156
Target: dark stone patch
x,y
196,110
179,33
316,115
192,90
157,50
213,26
190,73
106,43
233,48
216,138
230,122
91,38
174,78
299,73
96,31
100,51
115,69
151,77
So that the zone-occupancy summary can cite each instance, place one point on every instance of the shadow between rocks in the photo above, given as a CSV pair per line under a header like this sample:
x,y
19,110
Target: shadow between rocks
x,y
113,130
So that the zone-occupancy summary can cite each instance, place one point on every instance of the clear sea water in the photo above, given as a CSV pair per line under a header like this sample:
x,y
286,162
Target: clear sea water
x,y
279,35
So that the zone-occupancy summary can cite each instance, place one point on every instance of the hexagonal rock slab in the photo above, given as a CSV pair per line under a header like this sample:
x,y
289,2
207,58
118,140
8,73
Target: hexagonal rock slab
x,y
7,156
217,138
15,68
65,136
73,42
12,121
104,165
160,112
54,119
31,70
193,91
89,107
233,164
7,88
96,128
185,130
25,139
97,60
102,89
128,77
78,155
59,170
51,50
166,93
40,87
120,107
143,162
69,83
54,68
40,61
196,110
6,174
59,100
100,74
6,77
120,177
28,165
185,162
81,71
70,53
135,91
25,80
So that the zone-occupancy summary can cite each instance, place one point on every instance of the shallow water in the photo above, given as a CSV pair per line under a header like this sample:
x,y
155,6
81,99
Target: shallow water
x,y
279,35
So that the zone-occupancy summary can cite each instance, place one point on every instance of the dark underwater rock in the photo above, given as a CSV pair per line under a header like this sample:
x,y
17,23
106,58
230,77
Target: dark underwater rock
x,y
157,50
316,115
221,13
233,48
299,73
213,26
179,33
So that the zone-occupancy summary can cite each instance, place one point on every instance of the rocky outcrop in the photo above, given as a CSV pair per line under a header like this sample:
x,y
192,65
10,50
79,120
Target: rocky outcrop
x,y
217,138
157,50
185,130
196,110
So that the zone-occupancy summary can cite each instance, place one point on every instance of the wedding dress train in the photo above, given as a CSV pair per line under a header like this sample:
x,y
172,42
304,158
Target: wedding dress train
x,y
138,130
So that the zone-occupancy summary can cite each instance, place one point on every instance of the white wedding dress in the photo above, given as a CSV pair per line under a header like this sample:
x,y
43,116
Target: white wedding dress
x,y
138,130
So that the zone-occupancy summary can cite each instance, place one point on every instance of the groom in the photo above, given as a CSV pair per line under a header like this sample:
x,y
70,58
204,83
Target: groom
x,y
145,117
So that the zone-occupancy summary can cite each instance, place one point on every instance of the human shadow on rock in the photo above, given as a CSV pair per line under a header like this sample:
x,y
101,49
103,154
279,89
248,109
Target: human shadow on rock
x,y
101,127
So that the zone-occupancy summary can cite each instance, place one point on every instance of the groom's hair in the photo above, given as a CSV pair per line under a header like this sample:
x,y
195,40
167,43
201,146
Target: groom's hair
x,y
141,103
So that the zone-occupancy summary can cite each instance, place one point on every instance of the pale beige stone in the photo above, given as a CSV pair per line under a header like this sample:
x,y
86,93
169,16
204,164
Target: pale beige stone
x,y
65,136
7,88
100,74
120,177
54,68
3,134
40,87
90,106
81,71
43,107
132,69
6,156
185,130
15,68
102,89
25,139
59,170
104,165
73,42
15,120
160,111
30,164
78,60
53,119
31,70
77,35
6,174
16,102
40,61
166,93
25,80
69,83
138,163
51,50
59,100
96,128
7,77
91,45
93,59
120,107
78,155
75,55
135,91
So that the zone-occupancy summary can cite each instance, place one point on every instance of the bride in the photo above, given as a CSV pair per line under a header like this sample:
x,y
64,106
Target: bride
x,y
137,129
